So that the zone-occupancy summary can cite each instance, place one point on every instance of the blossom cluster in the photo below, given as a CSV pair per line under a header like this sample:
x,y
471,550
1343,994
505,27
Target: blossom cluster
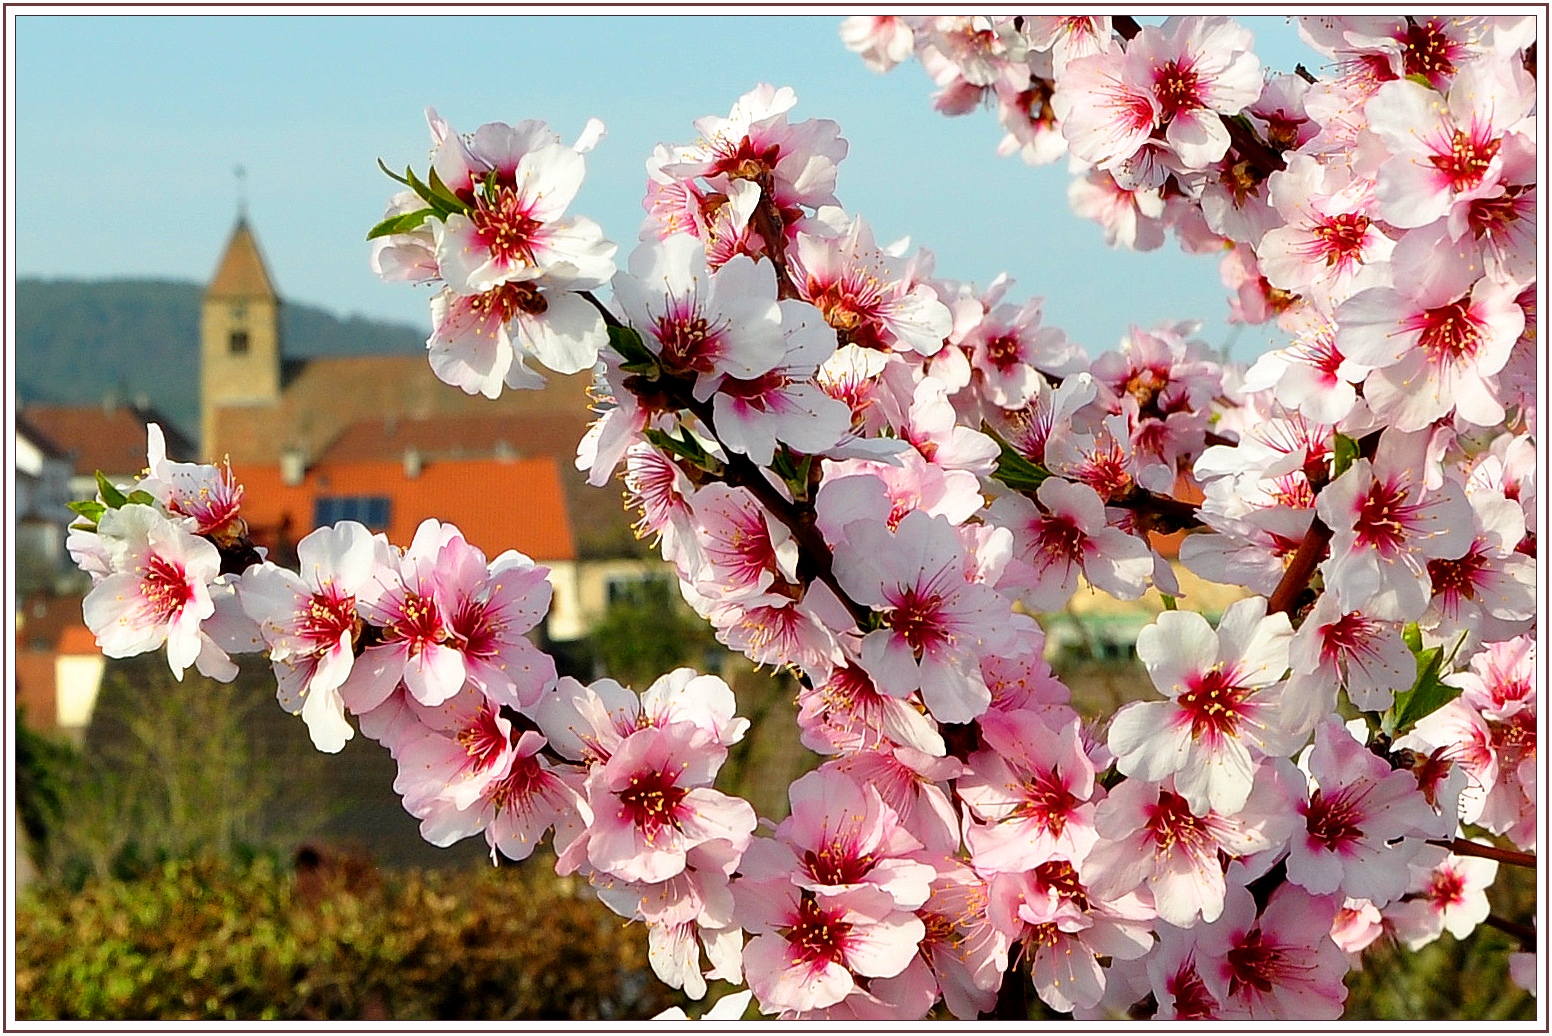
x,y
876,477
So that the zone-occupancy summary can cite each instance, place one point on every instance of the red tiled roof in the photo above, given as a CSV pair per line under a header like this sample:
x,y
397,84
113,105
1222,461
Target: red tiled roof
x,y
329,394
78,640
465,436
498,505
109,440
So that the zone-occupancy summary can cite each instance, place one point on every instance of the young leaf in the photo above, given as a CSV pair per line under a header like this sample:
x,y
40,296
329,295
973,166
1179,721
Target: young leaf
x,y
444,192
110,493
400,224
1346,451
627,343
1014,470
391,174
91,510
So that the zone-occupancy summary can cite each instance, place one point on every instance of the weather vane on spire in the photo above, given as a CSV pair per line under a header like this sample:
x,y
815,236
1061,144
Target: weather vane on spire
x,y
242,190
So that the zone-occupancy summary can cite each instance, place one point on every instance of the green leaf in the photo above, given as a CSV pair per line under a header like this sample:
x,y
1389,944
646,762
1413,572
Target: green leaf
x,y
1413,637
400,224
627,343
140,496
444,192
1429,693
392,175
686,447
1014,470
1169,602
110,493
91,510
440,205
1346,451
1420,80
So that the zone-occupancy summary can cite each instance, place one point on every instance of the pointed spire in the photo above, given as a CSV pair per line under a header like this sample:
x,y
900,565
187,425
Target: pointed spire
x,y
241,273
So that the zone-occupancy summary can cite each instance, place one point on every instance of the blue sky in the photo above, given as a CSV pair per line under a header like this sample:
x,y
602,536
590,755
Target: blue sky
x,y
128,128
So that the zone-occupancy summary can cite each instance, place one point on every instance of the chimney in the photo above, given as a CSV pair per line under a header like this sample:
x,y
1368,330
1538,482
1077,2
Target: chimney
x,y
412,462
293,466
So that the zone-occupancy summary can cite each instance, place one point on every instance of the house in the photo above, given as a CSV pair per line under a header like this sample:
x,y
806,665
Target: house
x,y
498,505
381,438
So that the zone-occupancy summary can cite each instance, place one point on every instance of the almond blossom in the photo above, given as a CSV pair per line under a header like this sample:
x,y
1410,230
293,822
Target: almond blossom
x,y
1223,704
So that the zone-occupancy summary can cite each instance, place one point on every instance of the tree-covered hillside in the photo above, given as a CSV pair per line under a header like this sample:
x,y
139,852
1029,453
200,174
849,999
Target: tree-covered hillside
x,y
77,341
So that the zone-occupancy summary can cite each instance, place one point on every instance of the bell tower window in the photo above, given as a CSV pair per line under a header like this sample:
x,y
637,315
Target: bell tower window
x,y
237,343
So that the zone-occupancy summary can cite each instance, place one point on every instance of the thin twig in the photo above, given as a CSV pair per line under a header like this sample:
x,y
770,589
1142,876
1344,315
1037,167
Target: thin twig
x,y
1466,847
1525,933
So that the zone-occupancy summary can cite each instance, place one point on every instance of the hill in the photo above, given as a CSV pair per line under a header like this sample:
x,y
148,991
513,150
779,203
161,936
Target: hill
x,y
77,341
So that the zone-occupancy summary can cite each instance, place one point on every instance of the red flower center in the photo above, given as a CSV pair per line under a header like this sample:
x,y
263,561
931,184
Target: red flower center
x,y
1214,704
1427,51
817,936
1342,237
482,739
1178,88
1333,821
165,588
1448,333
1047,801
330,614
1171,822
1254,964
650,802
504,227
1466,159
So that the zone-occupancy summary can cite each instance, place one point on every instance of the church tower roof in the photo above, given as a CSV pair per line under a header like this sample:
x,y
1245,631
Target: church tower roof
x,y
242,273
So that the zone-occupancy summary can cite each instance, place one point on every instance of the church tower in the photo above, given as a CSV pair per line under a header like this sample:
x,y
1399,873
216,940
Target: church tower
x,y
239,337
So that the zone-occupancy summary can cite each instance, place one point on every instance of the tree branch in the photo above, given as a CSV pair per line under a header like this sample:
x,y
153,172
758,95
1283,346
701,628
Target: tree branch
x,y
1466,847
1525,933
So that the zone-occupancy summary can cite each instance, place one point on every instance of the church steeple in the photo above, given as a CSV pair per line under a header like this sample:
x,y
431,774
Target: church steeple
x,y
239,336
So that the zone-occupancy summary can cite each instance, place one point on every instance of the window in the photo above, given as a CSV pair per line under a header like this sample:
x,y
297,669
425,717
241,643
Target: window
x,y
237,343
371,511
639,590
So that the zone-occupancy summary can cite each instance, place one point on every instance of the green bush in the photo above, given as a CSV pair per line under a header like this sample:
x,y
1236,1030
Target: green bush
x,y
216,940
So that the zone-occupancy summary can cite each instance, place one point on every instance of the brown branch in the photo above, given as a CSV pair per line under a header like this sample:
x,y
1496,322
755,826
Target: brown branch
x,y
1312,550
768,222
1523,932
739,470
1126,25
1466,847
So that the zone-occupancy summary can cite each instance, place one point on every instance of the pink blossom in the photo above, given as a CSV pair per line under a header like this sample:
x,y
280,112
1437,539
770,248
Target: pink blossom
x,y
517,181
810,949
1386,528
866,295
157,590
1448,896
1435,339
651,803
784,405
207,496
842,836
707,325
882,42
1447,154
1150,836
1224,704
1066,537
845,712
1065,929
936,623
1030,791
311,625
1349,650
1280,965
1362,822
